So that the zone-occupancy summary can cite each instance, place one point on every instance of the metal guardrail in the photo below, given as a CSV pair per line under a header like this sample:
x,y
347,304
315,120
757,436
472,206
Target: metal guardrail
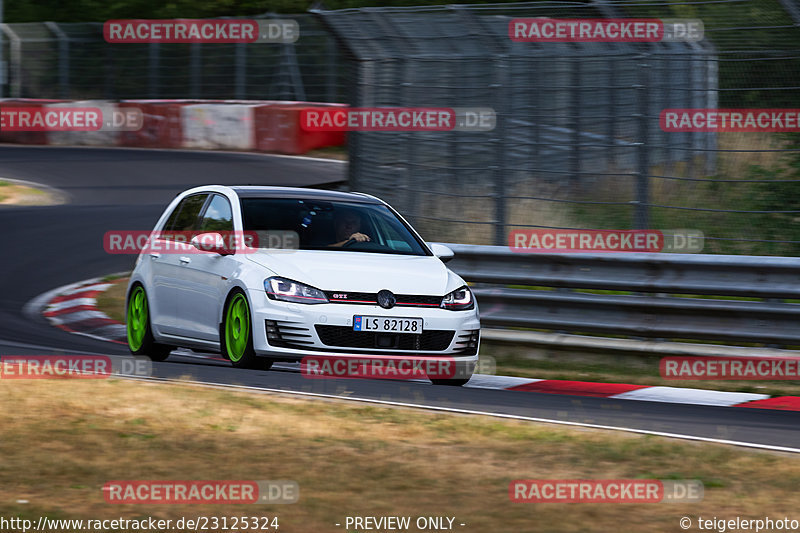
x,y
655,297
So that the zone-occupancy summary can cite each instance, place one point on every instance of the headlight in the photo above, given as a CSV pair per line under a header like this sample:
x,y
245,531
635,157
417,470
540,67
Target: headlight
x,y
459,300
287,290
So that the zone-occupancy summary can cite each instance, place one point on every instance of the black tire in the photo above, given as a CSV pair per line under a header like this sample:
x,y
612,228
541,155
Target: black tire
x,y
451,382
262,363
236,343
137,318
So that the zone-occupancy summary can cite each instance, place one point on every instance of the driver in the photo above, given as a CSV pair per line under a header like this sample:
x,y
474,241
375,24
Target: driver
x,y
348,228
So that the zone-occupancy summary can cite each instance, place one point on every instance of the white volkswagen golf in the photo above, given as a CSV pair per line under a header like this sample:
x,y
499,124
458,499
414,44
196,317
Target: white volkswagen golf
x,y
307,273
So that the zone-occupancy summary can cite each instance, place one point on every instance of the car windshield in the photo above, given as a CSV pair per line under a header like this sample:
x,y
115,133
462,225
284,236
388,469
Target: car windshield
x,y
330,225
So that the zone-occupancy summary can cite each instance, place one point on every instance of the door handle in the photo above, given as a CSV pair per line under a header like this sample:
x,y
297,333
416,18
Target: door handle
x,y
185,260
155,255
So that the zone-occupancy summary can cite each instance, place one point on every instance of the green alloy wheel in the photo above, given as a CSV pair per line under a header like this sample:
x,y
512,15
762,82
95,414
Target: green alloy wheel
x,y
237,328
137,319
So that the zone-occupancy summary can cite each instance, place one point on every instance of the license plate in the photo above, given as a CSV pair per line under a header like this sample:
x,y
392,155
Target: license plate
x,y
383,324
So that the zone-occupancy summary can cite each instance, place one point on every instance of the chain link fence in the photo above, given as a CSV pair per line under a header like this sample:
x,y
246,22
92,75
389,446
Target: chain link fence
x,y
577,144
72,60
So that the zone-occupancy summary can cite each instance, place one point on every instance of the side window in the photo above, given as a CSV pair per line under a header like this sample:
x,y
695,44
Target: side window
x,y
218,215
184,217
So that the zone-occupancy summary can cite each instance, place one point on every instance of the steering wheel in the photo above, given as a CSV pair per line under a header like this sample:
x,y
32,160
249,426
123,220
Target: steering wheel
x,y
349,242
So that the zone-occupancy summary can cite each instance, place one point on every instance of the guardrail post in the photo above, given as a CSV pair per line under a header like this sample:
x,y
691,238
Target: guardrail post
x,y
611,131
298,90
2,62
194,70
502,106
644,304
241,73
575,123
333,69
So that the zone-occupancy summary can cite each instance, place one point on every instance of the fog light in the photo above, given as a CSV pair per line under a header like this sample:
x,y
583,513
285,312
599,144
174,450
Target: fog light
x,y
386,341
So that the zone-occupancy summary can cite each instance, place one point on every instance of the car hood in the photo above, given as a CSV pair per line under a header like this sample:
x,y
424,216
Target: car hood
x,y
361,272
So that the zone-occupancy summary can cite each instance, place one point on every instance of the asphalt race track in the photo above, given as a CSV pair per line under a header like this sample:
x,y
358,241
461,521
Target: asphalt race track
x,y
125,189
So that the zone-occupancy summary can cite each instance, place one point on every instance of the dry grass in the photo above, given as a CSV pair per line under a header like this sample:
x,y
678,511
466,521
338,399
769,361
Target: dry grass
x,y
738,152
762,149
631,369
551,364
63,440
521,211
331,152
112,301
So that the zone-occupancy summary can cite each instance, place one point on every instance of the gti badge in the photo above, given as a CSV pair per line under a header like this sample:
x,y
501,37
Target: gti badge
x,y
386,299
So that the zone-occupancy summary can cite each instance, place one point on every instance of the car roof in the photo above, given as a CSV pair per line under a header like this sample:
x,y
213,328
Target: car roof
x,y
301,193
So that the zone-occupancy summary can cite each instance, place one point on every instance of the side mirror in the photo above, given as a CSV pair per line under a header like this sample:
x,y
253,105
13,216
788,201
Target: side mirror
x,y
441,251
210,242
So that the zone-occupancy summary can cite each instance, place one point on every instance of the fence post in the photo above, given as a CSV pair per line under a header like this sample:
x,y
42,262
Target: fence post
x,y
63,59
354,141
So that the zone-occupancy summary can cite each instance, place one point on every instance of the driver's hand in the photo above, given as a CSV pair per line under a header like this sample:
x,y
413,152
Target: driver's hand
x,y
359,237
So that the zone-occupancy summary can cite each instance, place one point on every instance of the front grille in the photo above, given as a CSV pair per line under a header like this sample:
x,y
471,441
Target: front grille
x,y
344,336
371,298
286,334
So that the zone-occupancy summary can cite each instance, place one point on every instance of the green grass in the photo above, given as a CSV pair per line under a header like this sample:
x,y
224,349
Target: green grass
x,y
368,460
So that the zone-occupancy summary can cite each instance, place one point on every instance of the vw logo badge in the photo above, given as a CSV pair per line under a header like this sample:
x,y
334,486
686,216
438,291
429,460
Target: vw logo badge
x,y
386,299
